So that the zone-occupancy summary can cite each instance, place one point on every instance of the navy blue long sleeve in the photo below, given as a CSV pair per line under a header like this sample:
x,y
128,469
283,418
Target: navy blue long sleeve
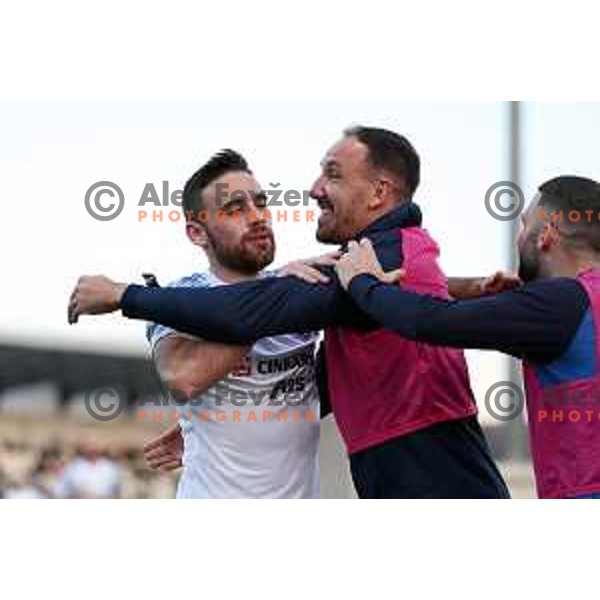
x,y
537,321
244,312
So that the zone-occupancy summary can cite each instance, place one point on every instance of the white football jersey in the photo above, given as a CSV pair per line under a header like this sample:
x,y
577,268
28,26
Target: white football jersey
x,y
254,434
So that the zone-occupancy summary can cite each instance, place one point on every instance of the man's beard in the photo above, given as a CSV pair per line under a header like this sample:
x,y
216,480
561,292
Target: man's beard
x,y
529,261
335,230
242,258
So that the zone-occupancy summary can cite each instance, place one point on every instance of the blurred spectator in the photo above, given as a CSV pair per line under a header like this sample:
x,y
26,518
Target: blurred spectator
x,y
24,488
49,471
57,470
90,474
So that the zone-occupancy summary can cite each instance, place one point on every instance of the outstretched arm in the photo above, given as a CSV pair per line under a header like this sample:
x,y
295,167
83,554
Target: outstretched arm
x,y
238,314
537,321
244,312
467,288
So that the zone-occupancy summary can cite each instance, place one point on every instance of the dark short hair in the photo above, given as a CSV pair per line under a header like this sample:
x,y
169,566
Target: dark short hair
x,y
225,161
575,202
392,152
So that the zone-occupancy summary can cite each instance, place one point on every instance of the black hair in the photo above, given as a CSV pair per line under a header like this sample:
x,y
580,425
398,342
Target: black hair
x,y
392,152
574,202
225,161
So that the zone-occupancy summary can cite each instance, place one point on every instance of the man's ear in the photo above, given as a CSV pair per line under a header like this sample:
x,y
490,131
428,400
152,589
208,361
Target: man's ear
x,y
548,236
383,190
196,233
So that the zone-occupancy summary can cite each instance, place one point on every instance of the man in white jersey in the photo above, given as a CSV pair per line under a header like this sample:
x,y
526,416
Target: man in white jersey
x,y
251,426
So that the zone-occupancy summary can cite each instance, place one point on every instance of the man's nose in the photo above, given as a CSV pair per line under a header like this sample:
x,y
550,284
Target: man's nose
x,y
259,215
317,191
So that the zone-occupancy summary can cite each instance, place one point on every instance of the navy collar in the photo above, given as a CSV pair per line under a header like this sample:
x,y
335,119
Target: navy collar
x,y
407,214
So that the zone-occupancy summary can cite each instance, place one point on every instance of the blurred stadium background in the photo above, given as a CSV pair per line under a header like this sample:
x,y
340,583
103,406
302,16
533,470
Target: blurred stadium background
x,y
49,445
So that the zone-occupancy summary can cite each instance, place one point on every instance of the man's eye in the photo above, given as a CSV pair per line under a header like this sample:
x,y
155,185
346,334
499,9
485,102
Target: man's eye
x,y
260,201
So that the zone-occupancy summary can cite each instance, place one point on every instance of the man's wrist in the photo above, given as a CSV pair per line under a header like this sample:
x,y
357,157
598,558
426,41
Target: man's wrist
x,y
119,292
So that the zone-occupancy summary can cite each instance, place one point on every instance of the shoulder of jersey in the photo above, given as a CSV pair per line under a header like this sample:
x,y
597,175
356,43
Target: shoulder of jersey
x,y
205,279
191,281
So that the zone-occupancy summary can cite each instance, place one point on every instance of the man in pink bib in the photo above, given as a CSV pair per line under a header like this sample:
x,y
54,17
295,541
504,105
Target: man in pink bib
x,y
552,323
